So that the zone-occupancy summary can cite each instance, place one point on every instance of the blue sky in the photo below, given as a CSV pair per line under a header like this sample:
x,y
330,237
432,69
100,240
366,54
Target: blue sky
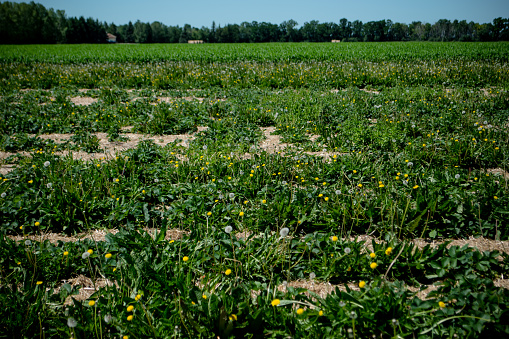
x,y
199,13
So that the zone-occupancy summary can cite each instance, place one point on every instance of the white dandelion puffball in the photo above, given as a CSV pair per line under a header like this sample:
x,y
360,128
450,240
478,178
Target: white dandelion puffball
x,y
71,322
85,255
284,232
47,163
228,229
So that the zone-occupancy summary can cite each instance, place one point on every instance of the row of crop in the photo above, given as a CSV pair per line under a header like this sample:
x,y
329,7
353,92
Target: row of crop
x,y
274,52
204,285
354,193
311,75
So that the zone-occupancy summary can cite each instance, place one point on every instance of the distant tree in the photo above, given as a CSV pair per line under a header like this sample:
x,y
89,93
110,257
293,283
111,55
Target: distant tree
x,y
129,33
501,29
288,31
142,32
357,30
185,34
345,29
159,32
309,31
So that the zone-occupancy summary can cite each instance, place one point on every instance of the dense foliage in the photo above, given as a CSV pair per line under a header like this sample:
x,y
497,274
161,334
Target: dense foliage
x,y
216,231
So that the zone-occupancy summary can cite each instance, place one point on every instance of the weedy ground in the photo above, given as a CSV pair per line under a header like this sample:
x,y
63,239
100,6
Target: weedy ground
x,y
257,190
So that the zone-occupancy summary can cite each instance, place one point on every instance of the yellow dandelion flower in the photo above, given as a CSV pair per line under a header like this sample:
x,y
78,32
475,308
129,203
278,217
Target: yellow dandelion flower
x,y
129,318
37,223
441,304
108,255
300,311
204,296
39,283
66,253
185,259
90,251
275,302
130,308
228,272
373,265
209,214
388,251
241,214
138,297
416,187
362,284
91,303
372,255
334,238
320,313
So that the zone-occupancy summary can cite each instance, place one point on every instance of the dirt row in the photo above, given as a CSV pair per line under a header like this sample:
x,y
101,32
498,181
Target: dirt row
x,y
271,144
86,287
481,243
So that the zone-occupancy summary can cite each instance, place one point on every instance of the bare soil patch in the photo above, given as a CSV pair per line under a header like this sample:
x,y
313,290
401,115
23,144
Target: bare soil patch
x,y
96,235
83,101
498,171
4,169
272,143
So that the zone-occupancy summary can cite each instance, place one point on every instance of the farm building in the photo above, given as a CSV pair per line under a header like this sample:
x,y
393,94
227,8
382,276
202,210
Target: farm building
x,y
111,37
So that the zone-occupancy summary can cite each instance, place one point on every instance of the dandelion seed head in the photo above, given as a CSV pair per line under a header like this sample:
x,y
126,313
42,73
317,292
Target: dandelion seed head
x,y
228,229
410,164
107,318
49,185
284,232
3,195
457,176
47,163
85,255
348,250
71,322
231,195
28,243
338,192
312,275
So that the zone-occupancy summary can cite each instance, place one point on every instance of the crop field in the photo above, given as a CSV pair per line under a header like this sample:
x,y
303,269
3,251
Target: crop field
x,y
254,190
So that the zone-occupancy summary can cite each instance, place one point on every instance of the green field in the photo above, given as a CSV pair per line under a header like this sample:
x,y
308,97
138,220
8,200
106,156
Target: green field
x,y
254,190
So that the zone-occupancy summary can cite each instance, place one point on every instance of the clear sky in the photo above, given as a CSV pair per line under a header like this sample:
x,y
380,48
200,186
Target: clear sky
x,y
200,13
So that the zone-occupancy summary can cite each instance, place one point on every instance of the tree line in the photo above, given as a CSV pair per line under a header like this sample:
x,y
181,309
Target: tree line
x,y
32,23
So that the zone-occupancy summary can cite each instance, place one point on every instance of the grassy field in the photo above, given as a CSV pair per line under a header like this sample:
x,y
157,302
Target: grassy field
x,y
254,190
